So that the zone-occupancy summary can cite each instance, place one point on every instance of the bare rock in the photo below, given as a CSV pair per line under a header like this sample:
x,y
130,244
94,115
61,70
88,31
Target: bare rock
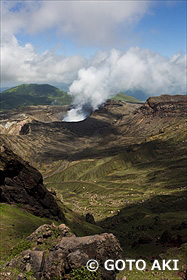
x,y
23,184
74,252
41,231
63,254
26,255
76,258
28,267
32,261
40,240
165,105
37,261
65,231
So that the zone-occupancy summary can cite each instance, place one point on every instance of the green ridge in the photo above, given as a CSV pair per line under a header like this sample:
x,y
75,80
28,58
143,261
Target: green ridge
x,y
123,97
33,94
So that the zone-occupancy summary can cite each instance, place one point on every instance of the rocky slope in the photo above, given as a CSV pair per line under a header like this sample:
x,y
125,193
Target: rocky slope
x,y
165,105
125,164
38,133
22,184
11,122
55,252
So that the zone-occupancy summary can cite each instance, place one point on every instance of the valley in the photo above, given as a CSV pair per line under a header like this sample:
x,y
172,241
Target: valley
x,y
125,165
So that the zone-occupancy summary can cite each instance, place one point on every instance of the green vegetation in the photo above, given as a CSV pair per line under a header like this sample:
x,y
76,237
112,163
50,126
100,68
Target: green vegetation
x,y
148,274
33,94
43,94
139,195
121,180
83,273
16,224
123,97
20,247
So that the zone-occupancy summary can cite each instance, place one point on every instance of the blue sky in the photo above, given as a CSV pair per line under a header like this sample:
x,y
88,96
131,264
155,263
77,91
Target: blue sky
x,y
54,41
163,30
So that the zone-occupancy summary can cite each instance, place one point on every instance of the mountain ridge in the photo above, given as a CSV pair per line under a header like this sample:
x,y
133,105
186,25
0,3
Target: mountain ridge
x,y
33,94
126,98
125,165
42,94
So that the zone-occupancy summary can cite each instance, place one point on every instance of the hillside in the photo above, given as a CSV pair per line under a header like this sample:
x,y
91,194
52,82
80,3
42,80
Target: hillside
x,y
123,97
125,165
33,94
43,94
25,204
22,184
3,89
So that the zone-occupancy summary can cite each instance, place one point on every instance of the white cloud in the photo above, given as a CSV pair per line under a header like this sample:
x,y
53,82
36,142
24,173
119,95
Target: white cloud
x,y
22,64
117,71
88,22
94,23
106,73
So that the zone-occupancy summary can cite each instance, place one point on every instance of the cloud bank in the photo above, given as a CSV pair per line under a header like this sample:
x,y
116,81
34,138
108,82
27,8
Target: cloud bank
x,y
98,23
22,64
94,80
85,22
117,71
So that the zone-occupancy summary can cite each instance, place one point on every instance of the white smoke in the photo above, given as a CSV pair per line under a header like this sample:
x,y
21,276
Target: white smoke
x,y
116,71
75,115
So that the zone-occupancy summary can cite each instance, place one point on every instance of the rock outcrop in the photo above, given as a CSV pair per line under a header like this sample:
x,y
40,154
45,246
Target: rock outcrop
x,y
74,252
16,121
22,184
60,252
165,105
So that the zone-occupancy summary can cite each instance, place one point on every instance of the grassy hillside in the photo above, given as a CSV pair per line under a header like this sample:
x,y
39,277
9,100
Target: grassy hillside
x,y
127,178
139,195
33,94
123,97
16,224
135,189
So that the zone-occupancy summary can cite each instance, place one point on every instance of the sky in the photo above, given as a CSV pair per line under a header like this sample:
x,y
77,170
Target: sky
x,y
96,47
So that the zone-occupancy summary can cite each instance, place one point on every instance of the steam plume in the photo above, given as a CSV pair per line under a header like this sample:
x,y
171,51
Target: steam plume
x,y
117,71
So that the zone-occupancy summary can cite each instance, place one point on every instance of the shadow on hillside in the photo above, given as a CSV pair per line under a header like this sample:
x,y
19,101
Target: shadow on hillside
x,y
151,150
151,227
134,154
88,127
